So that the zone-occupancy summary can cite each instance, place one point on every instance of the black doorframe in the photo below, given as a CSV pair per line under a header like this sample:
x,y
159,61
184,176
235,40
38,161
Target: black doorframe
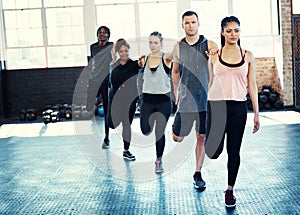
x,y
296,58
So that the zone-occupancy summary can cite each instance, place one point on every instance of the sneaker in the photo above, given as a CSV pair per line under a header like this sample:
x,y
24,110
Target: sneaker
x,y
199,183
158,166
105,144
230,200
128,156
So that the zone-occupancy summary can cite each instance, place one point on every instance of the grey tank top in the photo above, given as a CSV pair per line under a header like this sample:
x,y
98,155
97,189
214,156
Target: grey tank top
x,y
156,82
194,76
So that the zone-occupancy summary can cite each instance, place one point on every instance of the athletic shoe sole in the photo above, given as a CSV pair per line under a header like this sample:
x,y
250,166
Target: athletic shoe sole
x,y
129,159
159,171
230,206
104,146
198,187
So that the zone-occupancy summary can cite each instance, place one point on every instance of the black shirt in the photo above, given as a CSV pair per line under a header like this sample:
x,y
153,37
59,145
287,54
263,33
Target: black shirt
x,y
123,80
101,58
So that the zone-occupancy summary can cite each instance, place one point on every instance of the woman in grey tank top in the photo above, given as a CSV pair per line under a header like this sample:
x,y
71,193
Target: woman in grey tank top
x,y
156,104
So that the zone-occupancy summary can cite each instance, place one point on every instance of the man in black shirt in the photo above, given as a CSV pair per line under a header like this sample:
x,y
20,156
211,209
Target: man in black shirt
x,y
98,82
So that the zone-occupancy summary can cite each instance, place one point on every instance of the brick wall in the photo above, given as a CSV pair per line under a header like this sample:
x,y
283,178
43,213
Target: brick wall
x,y
267,74
267,71
286,32
37,88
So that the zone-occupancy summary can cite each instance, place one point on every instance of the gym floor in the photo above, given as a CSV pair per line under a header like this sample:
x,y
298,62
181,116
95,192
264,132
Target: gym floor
x,y
60,168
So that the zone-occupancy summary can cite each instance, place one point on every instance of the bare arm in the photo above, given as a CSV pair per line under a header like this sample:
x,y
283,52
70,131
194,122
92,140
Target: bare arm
x,y
175,71
212,51
113,54
141,61
252,89
212,48
168,58
211,71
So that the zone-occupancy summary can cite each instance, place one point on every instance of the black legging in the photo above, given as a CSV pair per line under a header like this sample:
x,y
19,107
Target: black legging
x,y
149,115
124,113
226,117
95,91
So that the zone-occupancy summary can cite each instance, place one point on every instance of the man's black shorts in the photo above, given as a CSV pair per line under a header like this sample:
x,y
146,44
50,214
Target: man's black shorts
x,y
184,122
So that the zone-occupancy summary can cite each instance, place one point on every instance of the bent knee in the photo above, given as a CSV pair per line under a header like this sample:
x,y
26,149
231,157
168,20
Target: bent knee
x,y
177,138
111,124
212,155
200,138
146,132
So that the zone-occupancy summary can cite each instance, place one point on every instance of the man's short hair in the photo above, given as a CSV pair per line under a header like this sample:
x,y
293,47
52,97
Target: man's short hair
x,y
106,30
189,13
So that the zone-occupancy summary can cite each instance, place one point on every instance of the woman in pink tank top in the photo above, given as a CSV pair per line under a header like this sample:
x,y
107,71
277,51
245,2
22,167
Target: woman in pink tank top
x,y
232,76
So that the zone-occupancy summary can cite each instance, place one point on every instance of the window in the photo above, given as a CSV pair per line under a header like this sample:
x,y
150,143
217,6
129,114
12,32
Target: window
x,y
24,58
258,23
24,28
13,4
134,21
24,38
151,1
296,6
210,14
98,2
120,19
57,33
160,17
65,34
257,29
62,3
65,26
44,37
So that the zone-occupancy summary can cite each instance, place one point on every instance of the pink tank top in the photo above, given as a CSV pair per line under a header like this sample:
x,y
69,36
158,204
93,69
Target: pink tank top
x,y
230,80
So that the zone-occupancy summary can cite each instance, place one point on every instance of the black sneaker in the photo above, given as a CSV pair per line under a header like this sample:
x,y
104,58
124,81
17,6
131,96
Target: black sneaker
x,y
230,200
105,144
128,156
199,183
